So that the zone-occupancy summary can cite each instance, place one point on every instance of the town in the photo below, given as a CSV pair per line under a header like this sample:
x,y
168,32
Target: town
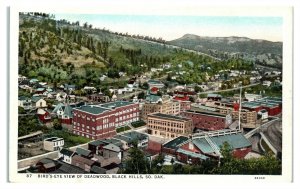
x,y
185,128
176,116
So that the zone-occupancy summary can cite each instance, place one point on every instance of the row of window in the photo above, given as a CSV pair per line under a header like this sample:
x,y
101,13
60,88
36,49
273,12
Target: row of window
x,y
166,129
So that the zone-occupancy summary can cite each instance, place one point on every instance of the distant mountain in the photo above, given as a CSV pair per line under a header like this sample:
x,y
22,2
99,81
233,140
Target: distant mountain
x,y
260,51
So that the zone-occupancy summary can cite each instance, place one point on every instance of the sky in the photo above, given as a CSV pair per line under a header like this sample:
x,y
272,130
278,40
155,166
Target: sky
x,y
173,27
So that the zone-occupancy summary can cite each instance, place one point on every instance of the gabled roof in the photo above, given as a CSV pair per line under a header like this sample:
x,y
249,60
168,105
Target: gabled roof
x,y
68,111
84,152
112,147
36,98
23,98
57,107
66,152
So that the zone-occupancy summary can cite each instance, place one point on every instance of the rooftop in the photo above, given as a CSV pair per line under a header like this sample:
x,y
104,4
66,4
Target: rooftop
x,y
84,152
192,154
53,139
116,104
131,136
169,117
214,95
107,141
93,109
235,141
175,142
66,152
206,113
112,147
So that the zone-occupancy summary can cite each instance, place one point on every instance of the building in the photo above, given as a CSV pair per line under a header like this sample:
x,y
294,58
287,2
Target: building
x,y
111,150
43,115
130,137
263,114
66,155
208,121
24,102
38,102
214,97
96,147
98,98
185,103
169,126
210,143
155,83
84,163
100,121
165,106
252,97
53,143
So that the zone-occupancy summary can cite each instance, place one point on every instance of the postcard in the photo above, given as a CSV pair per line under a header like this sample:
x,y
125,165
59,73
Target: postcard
x,y
153,95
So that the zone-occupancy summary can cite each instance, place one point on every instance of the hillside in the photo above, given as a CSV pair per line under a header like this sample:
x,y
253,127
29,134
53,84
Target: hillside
x,y
58,52
260,51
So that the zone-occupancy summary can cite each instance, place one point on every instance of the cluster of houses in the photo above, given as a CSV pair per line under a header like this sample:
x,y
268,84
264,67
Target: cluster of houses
x,y
192,129
99,157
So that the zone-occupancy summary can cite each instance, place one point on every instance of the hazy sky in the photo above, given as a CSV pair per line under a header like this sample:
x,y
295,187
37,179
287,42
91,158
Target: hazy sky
x,y
173,27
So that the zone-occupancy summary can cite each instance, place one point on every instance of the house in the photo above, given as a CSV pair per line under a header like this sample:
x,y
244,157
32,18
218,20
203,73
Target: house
x,y
214,97
21,78
98,98
38,102
24,102
252,97
88,89
40,91
61,96
155,83
69,88
263,114
97,146
84,163
84,153
267,83
44,115
33,81
111,150
103,77
53,143
66,155
130,138
46,165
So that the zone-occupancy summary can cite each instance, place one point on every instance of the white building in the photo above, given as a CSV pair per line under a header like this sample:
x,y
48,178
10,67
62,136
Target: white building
x,y
66,155
53,143
252,97
263,113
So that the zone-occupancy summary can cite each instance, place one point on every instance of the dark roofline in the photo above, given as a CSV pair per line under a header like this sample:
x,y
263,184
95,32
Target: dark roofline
x,y
206,113
169,117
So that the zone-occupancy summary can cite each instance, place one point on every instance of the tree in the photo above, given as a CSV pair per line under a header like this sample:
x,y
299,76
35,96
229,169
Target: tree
x,y
57,124
137,163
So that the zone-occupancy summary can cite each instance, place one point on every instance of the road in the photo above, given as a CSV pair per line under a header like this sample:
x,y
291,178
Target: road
x,y
274,135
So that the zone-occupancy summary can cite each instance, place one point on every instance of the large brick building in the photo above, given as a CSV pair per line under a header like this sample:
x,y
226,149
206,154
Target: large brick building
x,y
166,106
169,126
208,120
100,121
